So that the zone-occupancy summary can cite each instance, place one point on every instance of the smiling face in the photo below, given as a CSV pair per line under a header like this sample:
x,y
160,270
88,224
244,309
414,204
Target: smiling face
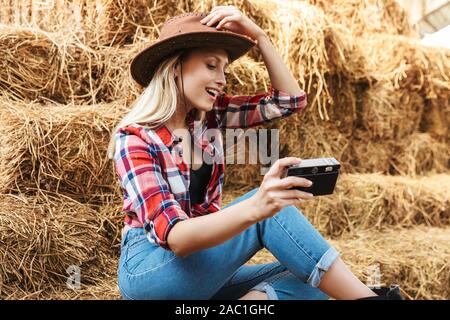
x,y
203,71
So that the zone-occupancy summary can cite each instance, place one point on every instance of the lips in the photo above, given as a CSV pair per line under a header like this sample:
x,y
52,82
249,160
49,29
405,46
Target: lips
x,y
211,93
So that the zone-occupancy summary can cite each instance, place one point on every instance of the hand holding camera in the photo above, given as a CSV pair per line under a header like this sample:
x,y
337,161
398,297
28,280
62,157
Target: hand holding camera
x,y
323,172
275,191
291,181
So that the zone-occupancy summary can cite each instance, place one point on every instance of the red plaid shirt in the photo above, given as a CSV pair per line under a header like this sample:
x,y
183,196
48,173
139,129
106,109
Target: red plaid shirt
x,y
155,180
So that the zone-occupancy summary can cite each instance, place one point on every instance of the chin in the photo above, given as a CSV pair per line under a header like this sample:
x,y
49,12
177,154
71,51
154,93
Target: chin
x,y
207,108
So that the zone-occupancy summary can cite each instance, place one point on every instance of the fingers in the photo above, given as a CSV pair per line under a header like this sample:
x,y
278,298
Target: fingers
x,y
211,18
293,181
223,22
217,13
278,167
292,194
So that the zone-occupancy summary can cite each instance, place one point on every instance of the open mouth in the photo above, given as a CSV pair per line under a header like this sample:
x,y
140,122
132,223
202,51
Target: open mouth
x,y
212,93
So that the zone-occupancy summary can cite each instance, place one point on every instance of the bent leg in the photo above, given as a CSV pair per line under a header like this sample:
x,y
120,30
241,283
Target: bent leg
x,y
291,238
286,286
245,278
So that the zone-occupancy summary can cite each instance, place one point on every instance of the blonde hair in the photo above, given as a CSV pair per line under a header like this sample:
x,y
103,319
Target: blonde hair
x,y
158,102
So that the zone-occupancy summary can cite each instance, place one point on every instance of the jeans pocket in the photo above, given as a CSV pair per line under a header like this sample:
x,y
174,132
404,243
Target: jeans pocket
x,y
136,241
141,256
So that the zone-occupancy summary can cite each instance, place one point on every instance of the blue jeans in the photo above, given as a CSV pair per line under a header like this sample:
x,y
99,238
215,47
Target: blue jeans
x,y
148,271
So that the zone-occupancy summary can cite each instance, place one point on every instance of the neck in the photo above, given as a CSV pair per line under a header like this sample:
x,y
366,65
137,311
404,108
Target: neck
x,y
178,119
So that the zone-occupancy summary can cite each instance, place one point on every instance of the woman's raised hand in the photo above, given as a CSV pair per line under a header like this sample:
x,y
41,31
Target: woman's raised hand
x,y
274,194
231,18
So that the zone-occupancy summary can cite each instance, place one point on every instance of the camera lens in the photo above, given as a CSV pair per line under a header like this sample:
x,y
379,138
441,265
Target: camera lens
x,y
315,170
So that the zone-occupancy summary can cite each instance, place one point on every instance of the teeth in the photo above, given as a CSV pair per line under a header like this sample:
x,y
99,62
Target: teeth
x,y
212,91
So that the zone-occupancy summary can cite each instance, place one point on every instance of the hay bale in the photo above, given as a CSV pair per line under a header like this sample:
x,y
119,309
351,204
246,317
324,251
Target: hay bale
x,y
113,220
416,259
58,148
380,57
103,288
368,156
313,140
237,175
369,16
436,118
100,22
243,162
421,154
247,77
388,113
113,79
402,72
418,153
43,235
374,201
437,79
402,61
303,35
42,66
308,135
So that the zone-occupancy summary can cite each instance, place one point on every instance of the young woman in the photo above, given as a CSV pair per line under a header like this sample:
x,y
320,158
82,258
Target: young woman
x,y
178,243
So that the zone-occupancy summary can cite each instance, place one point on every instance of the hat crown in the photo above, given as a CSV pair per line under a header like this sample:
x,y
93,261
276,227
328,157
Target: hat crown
x,y
184,23
186,31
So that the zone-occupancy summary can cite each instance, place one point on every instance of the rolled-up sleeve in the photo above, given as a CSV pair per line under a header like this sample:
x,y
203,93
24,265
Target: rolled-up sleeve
x,y
244,111
141,176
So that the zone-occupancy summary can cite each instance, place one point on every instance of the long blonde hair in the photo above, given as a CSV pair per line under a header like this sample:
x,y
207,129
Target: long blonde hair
x,y
158,102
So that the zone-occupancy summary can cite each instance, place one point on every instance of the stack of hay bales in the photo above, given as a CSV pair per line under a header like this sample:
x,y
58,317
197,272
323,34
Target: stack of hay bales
x,y
377,101
45,66
368,16
384,116
96,23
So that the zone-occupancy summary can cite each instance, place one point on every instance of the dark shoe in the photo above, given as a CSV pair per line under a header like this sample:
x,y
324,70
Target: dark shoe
x,y
386,293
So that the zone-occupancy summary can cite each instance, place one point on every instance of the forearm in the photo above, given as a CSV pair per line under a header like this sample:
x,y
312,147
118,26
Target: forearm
x,y
210,230
280,76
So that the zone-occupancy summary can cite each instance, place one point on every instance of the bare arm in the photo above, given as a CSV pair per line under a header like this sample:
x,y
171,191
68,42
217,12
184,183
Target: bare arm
x,y
231,18
280,76
191,235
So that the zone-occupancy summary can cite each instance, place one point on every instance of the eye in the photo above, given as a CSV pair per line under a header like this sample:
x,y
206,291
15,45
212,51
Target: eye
x,y
211,66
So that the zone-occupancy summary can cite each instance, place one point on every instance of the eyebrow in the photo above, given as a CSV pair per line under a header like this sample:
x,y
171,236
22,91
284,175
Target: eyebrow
x,y
218,59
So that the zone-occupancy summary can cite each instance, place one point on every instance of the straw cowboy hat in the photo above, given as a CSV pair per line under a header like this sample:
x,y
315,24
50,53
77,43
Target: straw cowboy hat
x,y
186,31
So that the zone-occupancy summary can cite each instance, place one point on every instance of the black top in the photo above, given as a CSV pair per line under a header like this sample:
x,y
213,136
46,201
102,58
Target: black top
x,y
199,180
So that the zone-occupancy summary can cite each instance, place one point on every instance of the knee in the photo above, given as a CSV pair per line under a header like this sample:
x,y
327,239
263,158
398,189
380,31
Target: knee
x,y
291,210
254,295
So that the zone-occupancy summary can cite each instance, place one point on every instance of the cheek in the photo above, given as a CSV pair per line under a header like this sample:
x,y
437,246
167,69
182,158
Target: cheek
x,y
198,82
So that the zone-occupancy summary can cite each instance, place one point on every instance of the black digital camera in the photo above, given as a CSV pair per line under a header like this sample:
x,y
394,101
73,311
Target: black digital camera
x,y
323,172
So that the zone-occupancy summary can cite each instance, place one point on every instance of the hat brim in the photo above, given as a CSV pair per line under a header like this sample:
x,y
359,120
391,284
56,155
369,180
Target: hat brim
x,y
145,62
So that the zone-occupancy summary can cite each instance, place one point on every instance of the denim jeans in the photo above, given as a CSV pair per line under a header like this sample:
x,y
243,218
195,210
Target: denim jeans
x,y
148,271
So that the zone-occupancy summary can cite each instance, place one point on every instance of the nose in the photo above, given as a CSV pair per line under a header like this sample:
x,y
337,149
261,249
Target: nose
x,y
222,81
